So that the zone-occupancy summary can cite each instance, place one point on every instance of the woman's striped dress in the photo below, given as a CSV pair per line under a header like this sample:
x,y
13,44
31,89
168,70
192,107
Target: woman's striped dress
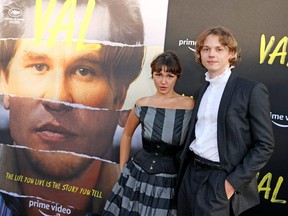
x,y
146,186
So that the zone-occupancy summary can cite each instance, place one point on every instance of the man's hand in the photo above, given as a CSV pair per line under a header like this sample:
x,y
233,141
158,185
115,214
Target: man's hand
x,y
229,189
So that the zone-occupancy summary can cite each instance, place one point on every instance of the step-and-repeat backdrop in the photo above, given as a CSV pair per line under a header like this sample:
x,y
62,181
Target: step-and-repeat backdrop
x,y
260,28
71,70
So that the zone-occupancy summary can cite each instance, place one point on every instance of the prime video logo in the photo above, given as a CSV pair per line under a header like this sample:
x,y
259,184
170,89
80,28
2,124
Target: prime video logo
x,y
189,43
279,120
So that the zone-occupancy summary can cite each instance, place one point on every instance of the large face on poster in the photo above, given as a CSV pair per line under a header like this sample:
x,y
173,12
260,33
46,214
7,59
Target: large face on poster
x,y
69,77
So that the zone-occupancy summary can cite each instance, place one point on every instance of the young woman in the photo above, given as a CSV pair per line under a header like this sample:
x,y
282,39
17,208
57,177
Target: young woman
x,y
146,185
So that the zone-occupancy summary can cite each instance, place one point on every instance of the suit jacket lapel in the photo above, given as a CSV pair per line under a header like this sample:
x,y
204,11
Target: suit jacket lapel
x,y
225,100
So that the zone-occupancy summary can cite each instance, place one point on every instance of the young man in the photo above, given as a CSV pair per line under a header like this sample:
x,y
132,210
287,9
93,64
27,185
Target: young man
x,y
230,138
64,95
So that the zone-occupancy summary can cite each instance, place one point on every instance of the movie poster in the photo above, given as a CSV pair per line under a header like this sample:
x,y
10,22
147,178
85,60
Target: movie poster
x,y
71,70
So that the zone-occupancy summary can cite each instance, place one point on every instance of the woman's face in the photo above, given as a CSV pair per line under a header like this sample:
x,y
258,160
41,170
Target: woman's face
x,y
164,81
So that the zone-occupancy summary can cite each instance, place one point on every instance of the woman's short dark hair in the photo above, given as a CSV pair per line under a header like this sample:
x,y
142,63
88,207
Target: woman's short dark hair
x,y
170,60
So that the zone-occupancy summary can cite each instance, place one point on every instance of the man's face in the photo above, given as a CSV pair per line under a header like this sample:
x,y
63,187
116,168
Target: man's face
x,y
214,56
62,73
48,126
58,69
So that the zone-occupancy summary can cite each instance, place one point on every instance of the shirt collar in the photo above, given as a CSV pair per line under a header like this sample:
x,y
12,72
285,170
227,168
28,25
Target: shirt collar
x,y
223,77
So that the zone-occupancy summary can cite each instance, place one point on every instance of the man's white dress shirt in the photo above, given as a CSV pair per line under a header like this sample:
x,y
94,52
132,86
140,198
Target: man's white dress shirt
x,y
205,145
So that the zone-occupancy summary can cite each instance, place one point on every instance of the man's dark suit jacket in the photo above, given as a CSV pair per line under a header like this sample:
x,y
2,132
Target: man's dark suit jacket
x,y
244,135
